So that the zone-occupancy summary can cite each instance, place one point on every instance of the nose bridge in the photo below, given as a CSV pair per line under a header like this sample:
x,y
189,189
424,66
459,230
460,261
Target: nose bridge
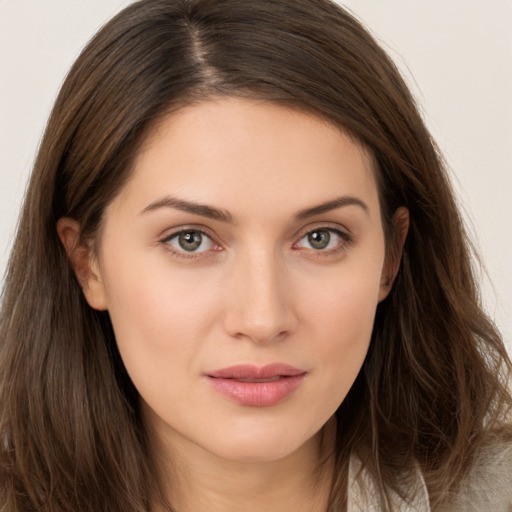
x,y
261,304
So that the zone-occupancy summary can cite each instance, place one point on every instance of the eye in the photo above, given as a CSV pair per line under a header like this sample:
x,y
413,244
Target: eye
x,y
191,241
322,239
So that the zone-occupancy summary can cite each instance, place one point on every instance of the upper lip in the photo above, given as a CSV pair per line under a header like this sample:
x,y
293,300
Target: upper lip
x,y
247,371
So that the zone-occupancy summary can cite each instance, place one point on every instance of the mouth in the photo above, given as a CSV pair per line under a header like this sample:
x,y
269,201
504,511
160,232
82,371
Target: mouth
x,y
254,386
270,379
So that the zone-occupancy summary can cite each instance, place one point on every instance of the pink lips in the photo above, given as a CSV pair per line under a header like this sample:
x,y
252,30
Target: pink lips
x,y
257,387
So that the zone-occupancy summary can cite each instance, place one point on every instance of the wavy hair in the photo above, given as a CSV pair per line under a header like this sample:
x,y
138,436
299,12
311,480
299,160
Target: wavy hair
x,y
433,386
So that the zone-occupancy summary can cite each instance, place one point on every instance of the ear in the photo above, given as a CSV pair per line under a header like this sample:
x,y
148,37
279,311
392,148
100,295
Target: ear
x,y
400,228
83,262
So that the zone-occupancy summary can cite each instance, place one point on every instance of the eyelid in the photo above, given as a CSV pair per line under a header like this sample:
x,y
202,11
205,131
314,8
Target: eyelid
x,y
174,232
329,226
342,232
168,233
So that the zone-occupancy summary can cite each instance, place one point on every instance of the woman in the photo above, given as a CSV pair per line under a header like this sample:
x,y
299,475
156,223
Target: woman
x,y
241,282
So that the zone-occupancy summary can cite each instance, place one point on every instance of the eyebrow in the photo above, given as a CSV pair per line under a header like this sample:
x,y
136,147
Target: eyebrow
x,y
339,202
195,208
224,216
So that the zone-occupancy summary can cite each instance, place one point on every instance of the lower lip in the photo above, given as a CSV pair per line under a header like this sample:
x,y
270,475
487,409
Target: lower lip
x,y
257,394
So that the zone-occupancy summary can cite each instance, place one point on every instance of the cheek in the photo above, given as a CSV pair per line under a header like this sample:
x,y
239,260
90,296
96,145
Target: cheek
x,y
340,317
343,302
159,317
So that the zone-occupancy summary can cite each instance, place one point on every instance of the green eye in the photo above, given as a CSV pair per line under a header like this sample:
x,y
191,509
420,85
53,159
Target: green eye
x,y
319,239
322,239
191,241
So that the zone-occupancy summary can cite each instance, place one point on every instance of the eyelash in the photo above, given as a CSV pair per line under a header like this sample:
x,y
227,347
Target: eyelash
x,y
192,254
346,240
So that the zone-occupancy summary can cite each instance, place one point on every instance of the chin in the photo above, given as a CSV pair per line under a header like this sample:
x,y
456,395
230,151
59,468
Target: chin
x,y
256,447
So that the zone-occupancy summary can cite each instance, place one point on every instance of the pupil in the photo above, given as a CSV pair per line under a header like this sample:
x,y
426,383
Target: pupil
x,y
190,241
319,239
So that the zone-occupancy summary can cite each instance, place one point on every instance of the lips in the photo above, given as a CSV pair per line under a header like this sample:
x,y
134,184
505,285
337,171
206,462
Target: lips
x,y
257,386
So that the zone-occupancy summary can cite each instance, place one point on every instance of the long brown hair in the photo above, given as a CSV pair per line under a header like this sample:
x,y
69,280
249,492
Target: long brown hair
x,y
433,385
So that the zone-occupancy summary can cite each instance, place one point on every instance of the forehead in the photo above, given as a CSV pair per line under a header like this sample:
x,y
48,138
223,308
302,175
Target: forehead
x,y
240,152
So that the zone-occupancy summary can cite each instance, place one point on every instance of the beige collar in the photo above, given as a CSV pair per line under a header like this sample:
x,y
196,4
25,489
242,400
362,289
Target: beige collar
x,y
363,495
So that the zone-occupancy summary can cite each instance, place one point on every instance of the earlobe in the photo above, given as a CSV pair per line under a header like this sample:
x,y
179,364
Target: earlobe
x,y
400,229
83,262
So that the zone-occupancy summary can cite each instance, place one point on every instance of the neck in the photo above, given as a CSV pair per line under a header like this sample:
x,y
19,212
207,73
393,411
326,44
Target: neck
x,y
197,480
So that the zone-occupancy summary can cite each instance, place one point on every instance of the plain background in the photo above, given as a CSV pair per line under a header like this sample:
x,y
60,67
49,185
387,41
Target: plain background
x,y
455,54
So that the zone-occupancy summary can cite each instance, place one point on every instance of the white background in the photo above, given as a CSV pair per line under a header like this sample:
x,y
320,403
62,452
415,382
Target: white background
x,y
455,54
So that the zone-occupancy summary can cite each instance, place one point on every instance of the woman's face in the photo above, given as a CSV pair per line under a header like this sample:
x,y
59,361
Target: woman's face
x,y
241,265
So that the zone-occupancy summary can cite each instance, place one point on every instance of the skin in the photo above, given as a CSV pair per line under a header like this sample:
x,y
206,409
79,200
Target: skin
x,y
256,291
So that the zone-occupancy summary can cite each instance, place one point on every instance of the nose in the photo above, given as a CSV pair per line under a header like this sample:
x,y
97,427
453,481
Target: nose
x,y
260,304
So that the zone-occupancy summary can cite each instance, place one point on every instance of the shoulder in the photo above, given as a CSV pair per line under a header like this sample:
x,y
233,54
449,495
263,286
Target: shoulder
x,y
364,494
488,485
